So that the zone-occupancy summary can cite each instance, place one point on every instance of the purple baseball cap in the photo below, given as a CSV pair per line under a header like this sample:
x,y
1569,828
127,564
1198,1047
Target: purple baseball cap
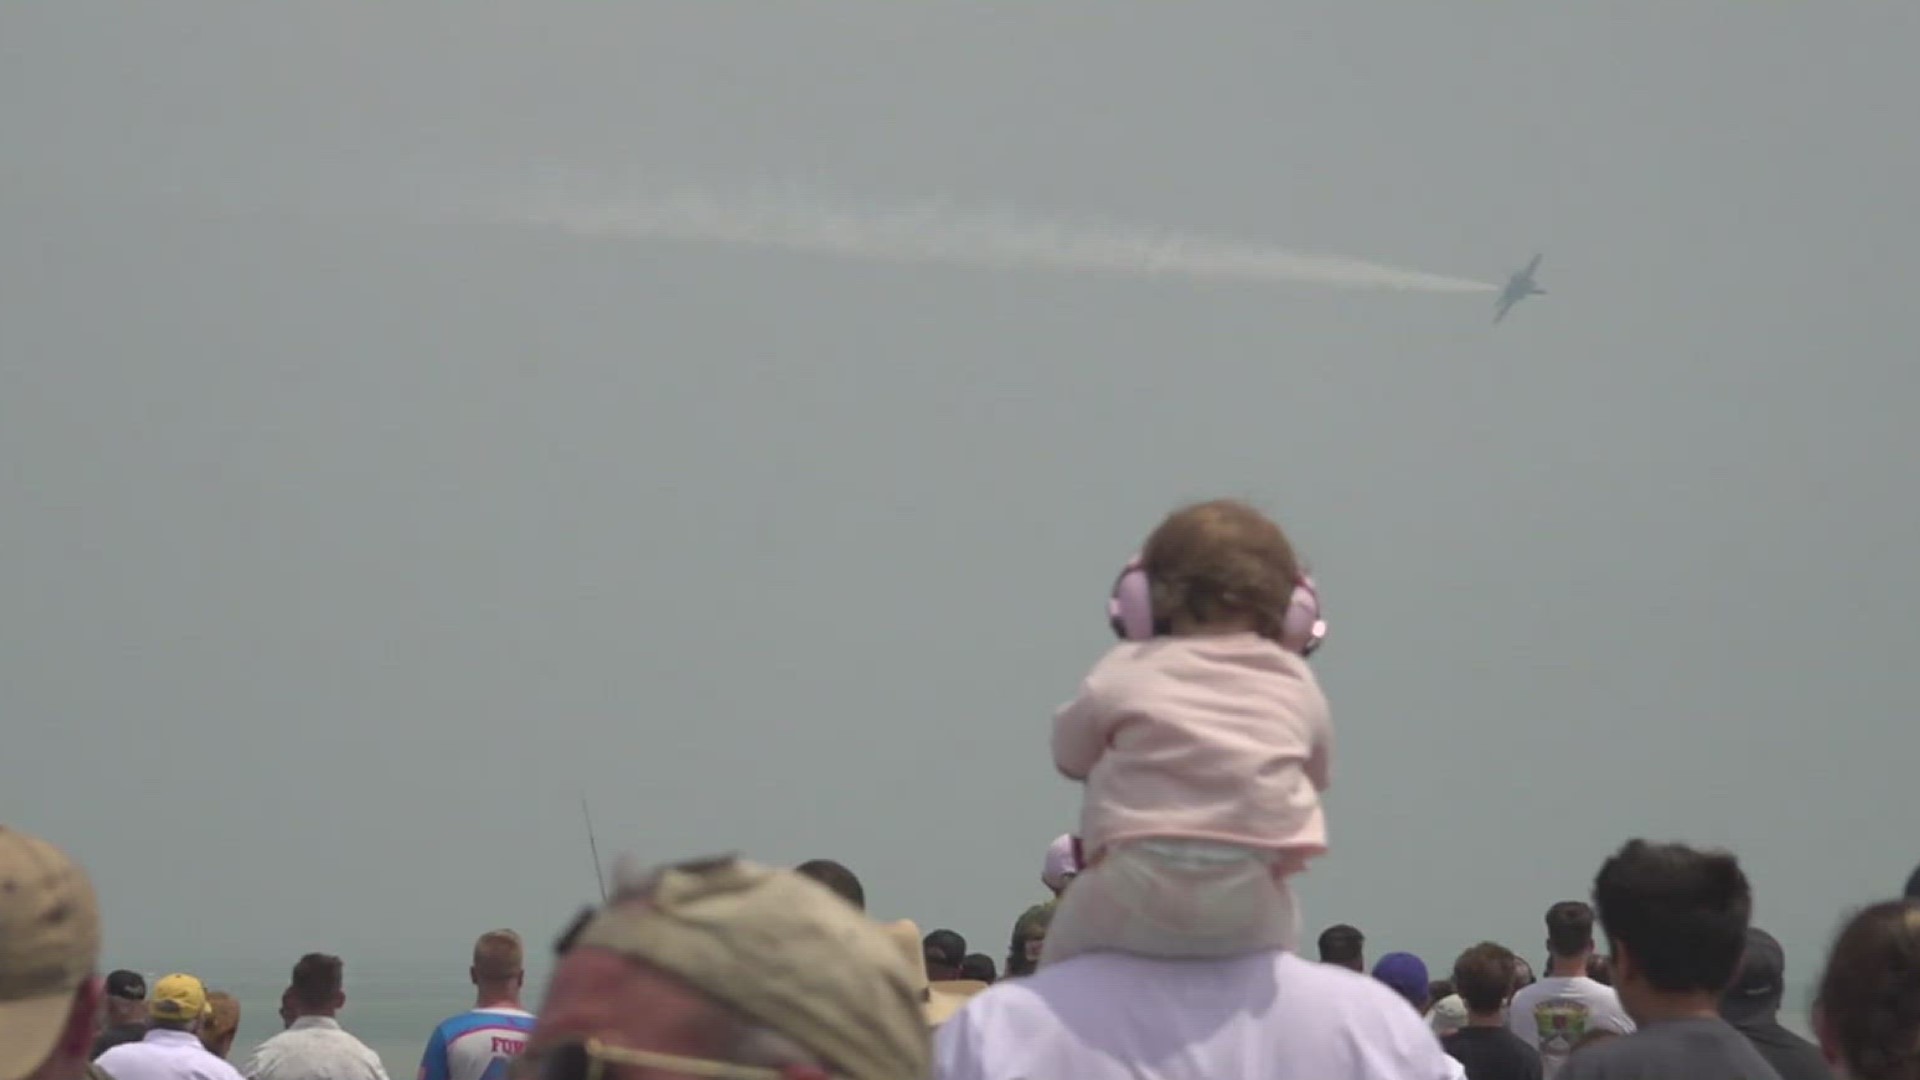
x,y
1406,974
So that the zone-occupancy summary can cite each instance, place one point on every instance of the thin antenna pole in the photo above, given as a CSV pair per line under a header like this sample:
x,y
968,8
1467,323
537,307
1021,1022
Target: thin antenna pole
x,y
595,849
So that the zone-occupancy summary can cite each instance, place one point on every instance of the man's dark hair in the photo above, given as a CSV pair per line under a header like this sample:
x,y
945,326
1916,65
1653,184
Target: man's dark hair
x,y
979,967
945,948
316,981
1483,977
1439,988
1569,928
1681,914
1913,884
1342,944
836,877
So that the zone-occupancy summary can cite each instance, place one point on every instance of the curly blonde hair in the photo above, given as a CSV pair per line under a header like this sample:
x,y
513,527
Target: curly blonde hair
x,y
1221,559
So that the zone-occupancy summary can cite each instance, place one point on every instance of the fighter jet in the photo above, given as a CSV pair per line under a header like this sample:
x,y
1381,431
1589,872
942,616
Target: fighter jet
x,y
1519,287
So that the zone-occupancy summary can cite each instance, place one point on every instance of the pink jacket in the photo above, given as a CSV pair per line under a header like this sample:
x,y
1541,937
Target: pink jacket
x,y
1223,738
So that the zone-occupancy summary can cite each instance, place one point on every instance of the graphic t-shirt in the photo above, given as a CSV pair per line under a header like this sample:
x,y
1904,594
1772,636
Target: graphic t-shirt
x,y
1492,1053
476,1045
1704,1049
1558,1011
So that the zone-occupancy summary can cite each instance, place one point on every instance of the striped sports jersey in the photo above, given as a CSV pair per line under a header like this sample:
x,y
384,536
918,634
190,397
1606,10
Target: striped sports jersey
x,y
476,1045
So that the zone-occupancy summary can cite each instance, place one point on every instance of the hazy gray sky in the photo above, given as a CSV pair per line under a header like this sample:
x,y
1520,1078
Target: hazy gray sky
x,y
342,555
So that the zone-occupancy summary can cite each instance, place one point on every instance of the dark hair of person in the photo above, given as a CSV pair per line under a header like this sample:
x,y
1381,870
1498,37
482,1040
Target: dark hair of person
x,y
1569,928
944,947
1600,969
1342,944
1681,914
979,967
1869,998
836,877
317,979
1483,977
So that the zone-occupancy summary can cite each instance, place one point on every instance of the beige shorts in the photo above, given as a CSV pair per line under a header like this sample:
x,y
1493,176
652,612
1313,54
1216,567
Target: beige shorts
x,y
1177,899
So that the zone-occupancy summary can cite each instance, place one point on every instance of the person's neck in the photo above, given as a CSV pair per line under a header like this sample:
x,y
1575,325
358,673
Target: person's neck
x,y
1486,1020
307,1013
1658,1006
497,997
1567,967
1186,626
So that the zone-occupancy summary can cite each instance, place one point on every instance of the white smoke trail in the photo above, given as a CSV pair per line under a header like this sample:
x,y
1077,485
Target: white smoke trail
x,y
939,233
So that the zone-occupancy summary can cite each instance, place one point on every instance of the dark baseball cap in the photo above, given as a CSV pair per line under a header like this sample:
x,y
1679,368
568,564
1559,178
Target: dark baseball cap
x,y
1760,982
128,985
1406,974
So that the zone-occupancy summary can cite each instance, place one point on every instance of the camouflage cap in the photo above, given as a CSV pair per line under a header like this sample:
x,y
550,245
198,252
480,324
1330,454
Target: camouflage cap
x,y
781,950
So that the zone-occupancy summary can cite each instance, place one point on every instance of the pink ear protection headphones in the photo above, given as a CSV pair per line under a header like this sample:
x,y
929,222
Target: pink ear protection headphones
x,y
1130,612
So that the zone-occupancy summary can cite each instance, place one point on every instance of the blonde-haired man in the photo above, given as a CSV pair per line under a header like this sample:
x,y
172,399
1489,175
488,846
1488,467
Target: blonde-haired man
x,y
479,1043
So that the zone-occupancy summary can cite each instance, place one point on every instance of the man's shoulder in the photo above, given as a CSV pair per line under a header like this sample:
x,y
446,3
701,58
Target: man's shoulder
x,y
1567,988
472,1020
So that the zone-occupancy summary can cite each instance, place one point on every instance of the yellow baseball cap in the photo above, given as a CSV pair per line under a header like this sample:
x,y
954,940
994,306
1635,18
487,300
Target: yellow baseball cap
x,y
179,998
49,945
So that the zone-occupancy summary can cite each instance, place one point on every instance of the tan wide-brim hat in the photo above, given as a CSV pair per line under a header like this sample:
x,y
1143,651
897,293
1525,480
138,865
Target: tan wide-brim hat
x,y
50,943
947,997
939,1000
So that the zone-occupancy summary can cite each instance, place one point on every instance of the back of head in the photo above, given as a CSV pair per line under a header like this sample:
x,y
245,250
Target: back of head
x,y
1343,945
1483,976
1219,560
1600,969
223,1023
944,950
979,968
498,958
179,1004
1569,929
1677,914
1029,935
1868,1009
126,996
1913,884
1522,973
318,983
49,949
837,878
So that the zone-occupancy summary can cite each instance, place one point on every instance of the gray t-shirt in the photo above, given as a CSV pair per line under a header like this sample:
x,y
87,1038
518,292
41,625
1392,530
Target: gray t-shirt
x,y
1703,1049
